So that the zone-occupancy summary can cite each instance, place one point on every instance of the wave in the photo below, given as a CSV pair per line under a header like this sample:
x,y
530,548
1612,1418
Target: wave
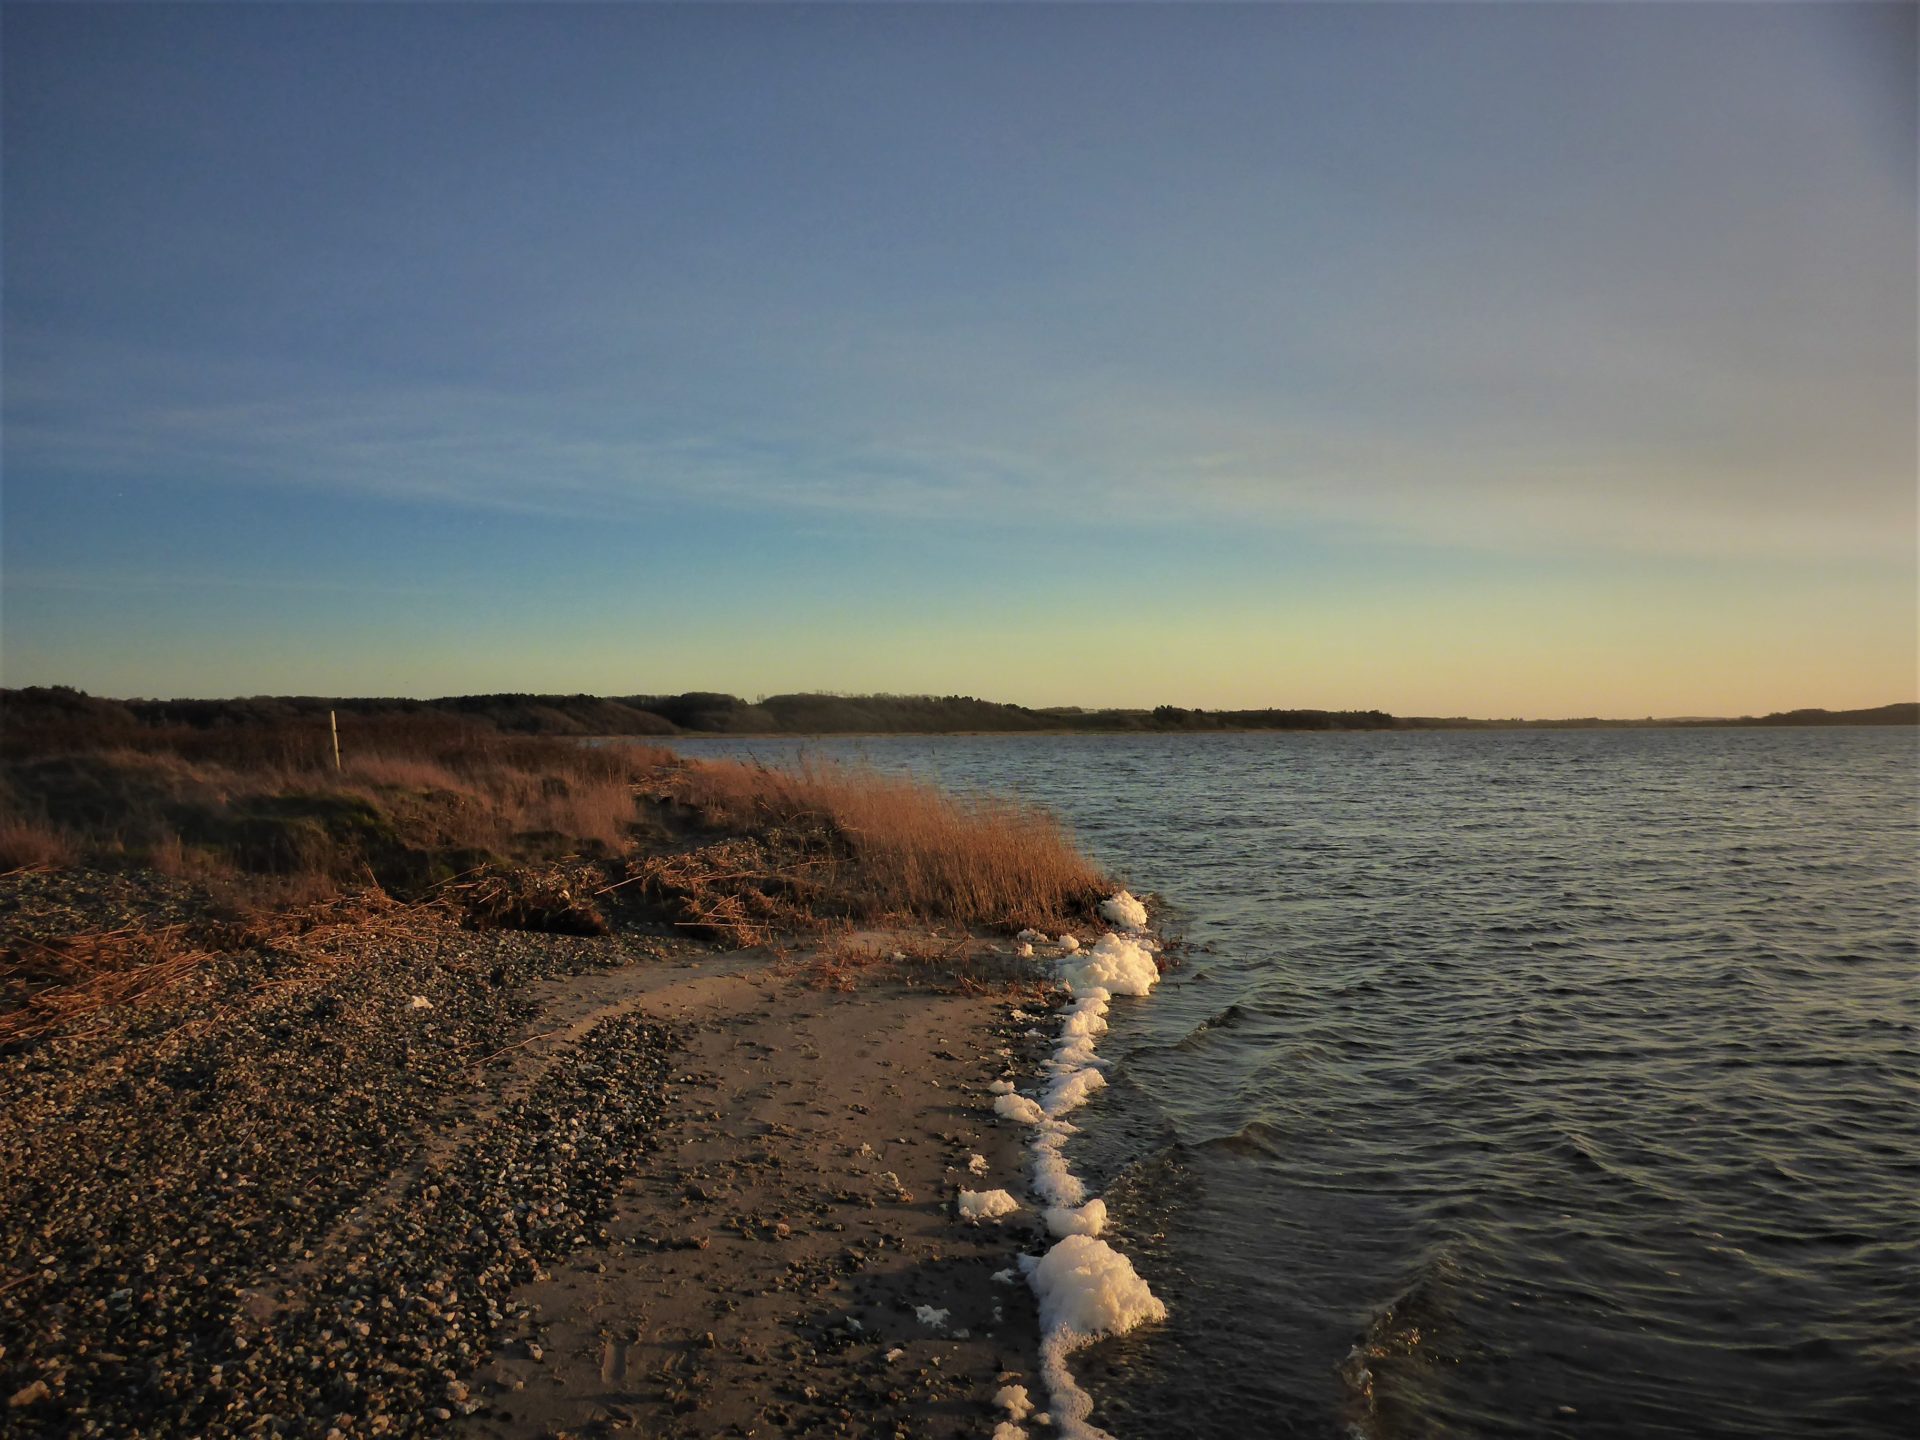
x,y
1420,1324
1227,1019
1256,1137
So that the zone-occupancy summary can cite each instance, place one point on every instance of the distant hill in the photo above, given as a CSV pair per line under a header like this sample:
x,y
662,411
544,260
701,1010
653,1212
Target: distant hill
x,y
1906,714
35,717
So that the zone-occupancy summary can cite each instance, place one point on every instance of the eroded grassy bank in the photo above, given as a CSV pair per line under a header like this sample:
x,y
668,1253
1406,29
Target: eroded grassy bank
x,y
217,840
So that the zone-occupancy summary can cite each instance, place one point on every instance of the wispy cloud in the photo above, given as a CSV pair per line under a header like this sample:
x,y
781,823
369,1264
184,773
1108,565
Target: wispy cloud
x,y
120,581
1133,460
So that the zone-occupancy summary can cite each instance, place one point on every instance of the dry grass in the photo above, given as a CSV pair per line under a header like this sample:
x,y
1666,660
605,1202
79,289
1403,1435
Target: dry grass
x,y
741,891
549,897
523,790
916,850
402,772
840,964
49,984
56,983
28,844
956,964
409,820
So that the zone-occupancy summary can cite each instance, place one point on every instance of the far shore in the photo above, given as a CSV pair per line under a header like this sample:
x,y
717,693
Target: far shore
x,y
1239,730
57,714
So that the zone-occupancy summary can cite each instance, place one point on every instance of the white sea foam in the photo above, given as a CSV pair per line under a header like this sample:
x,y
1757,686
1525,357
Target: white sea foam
x,y
1086,1289
1087,1016
1034,937
987,1204
1024,950
1070,1089
1125,911
1018,1107
1015,1401
1074,1052
1053,1180
933,1319
976,1164
1001,1087
1089,1219
1117,963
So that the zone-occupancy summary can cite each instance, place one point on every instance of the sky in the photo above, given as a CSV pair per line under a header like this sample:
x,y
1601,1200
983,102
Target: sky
x,y
1480,359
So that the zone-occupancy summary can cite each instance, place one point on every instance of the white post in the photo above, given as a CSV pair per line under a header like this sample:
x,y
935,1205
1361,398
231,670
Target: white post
x,y
334,726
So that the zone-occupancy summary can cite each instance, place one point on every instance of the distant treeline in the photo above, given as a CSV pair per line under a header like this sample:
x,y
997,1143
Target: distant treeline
x,y
30,718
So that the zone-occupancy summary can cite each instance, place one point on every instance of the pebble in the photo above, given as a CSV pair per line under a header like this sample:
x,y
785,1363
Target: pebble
x,y
211,1247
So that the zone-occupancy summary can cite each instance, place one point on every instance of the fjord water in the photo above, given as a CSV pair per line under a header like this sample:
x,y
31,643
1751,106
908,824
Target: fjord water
x,y
1510,1083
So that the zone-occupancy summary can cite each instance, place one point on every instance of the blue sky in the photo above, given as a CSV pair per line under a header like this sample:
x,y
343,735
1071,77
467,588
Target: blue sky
x,y
1461,359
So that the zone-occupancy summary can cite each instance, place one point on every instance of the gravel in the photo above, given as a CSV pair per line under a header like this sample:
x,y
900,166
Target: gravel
x,y
73,901
278,1205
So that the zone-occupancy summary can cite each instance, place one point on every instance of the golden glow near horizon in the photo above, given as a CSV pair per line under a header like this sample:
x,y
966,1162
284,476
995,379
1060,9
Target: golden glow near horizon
x,y
1532,649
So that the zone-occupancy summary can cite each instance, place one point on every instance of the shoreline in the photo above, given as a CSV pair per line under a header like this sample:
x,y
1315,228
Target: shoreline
x,y
1549,726
39,715
291,1193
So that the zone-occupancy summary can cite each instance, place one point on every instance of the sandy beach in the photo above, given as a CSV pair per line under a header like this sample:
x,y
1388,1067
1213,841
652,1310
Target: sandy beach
x,y
516,1184
786,1258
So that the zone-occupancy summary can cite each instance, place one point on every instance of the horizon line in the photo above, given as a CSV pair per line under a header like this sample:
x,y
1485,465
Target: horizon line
x,y
1037,710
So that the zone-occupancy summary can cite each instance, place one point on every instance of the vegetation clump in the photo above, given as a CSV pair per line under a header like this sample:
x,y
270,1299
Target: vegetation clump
x,y
881,845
